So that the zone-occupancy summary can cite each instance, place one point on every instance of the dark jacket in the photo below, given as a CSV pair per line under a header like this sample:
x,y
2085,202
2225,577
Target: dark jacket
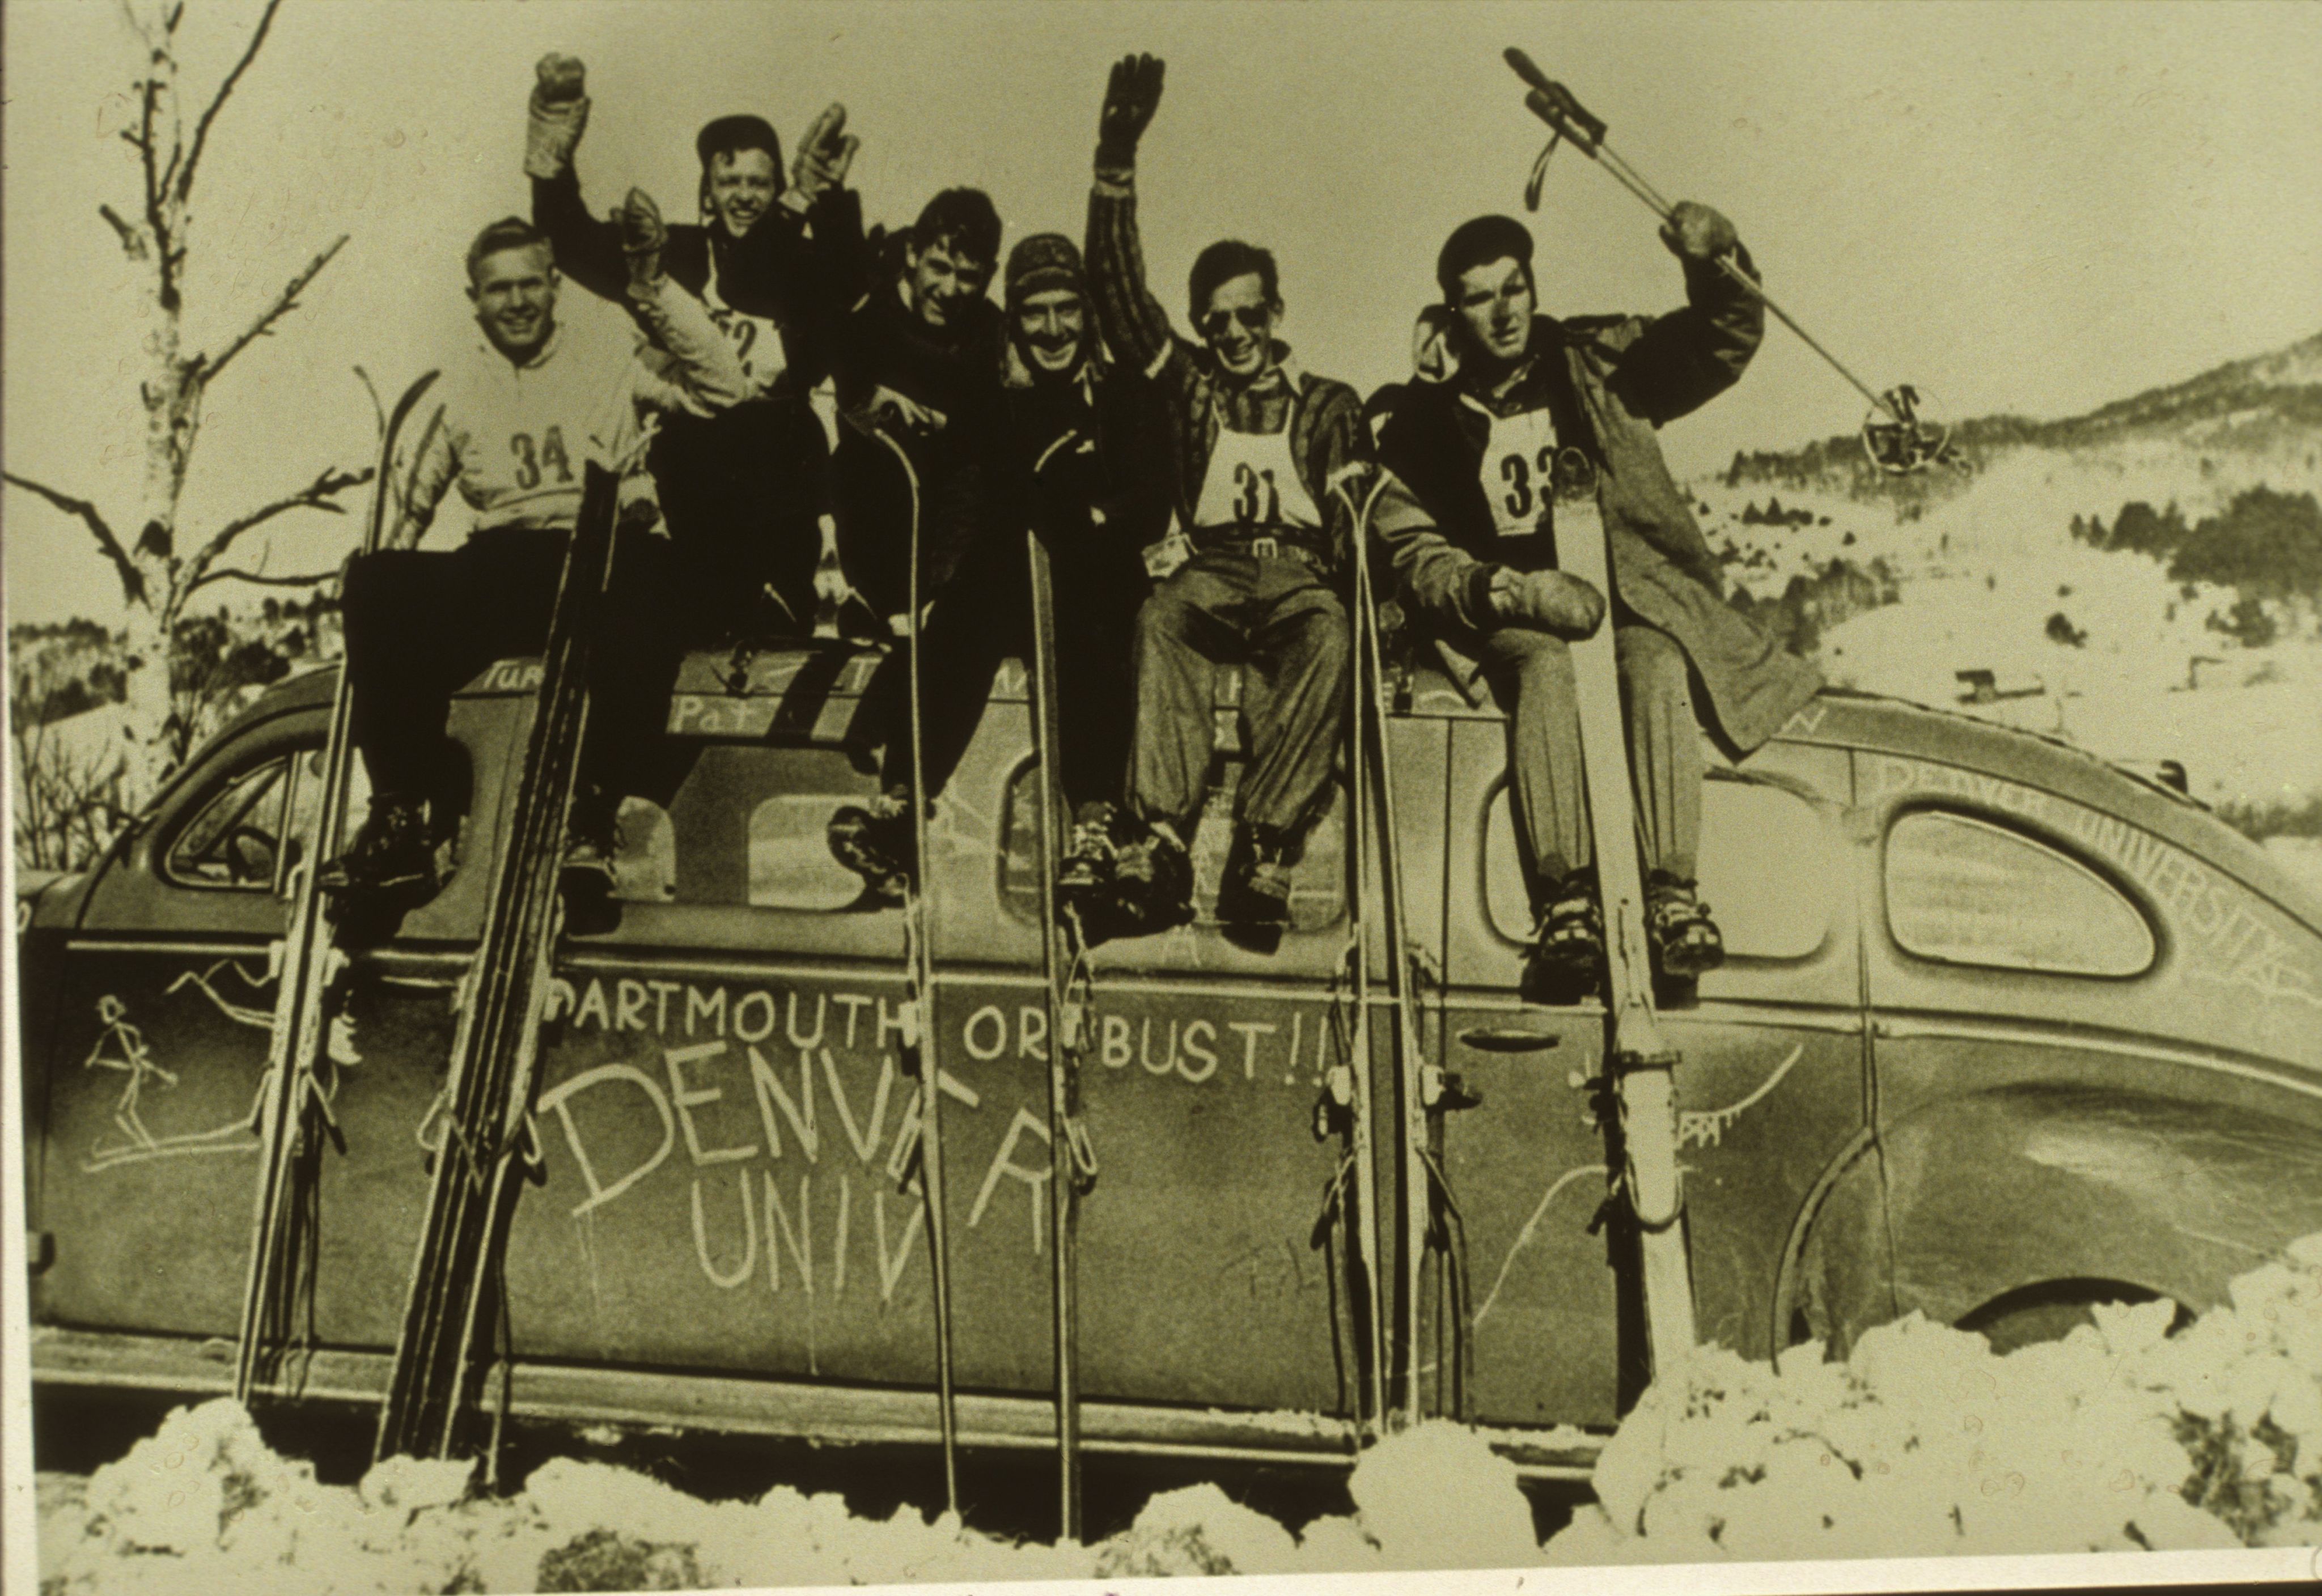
x,y
1609,382
1083,457
1324,417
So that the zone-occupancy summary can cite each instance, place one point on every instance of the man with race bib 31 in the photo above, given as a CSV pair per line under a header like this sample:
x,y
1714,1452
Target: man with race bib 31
x,y
1255,447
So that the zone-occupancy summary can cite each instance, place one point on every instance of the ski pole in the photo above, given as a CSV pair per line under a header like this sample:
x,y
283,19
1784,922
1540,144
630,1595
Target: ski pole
x,y
1554,104
922,979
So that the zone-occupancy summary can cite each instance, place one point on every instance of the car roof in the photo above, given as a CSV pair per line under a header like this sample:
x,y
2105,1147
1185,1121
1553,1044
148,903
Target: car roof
x,y
1836,718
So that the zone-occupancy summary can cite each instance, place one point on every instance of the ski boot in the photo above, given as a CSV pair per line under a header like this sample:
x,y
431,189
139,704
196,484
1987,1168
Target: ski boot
x,y
1255,893
394,852
874,840
1152,881
590,874
1084,880
1683,935
1568,952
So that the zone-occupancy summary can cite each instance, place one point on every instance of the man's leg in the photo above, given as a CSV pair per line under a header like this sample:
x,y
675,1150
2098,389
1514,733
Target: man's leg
x,y
1531,673
1180,632
1294,698
1665,755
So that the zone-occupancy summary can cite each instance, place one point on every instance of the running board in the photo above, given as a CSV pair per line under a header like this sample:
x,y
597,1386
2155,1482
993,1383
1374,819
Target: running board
x,y
568,1394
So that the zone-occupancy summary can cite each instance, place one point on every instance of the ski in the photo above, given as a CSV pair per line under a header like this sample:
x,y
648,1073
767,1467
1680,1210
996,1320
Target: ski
x,y
456,1285
1072,1163
1640,1064
294,1113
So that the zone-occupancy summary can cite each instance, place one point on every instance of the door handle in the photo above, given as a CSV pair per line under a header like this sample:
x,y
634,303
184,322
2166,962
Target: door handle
x,y
1509,1039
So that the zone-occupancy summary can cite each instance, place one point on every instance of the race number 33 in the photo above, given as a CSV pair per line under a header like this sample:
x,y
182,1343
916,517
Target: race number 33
x,y
535,461
1519,472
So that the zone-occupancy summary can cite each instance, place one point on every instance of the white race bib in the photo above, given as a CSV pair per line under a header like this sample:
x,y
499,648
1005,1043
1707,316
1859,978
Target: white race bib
x,y
1519,467
757,341
1252,487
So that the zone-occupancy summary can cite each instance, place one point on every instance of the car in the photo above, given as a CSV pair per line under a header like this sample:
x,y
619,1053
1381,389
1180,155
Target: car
x,y
2004,1032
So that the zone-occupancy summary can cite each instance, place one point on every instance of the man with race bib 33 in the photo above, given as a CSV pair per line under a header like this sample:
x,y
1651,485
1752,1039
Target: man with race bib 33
x,y
1255,447
1523,430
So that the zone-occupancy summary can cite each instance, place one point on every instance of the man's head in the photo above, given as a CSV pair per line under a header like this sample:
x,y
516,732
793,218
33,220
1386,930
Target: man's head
x,y
1048,303
512,283
1236,305
949,256
1484,271
741,170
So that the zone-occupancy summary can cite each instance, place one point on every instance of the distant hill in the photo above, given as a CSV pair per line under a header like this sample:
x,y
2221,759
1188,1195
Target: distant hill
x,y
2268,406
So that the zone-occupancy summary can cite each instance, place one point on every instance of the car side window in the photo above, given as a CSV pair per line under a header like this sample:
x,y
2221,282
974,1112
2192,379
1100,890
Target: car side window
x,y
1965,891
1765,870
748,827
235,841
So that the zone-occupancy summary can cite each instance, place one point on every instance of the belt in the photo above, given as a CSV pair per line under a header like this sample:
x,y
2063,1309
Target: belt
x,y
1263,548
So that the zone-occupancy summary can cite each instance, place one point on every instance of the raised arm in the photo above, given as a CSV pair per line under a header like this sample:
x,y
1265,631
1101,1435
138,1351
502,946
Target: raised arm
x,y
1132,320
588,248
1681,360
698,371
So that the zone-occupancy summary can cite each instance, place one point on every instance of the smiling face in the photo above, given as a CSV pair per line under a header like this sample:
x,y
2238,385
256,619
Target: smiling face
x,y
1238,326
1494,302
514,292
741,187
944,282
1049,327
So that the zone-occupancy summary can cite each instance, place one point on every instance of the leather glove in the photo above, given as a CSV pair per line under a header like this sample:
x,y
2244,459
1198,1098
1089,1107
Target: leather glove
x,y
1696,232
823,158
642,236
1130,98
558,115
1551,601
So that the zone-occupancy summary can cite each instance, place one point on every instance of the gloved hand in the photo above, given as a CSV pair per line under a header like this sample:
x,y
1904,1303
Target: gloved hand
x,y
1552,601
558,115
642,235
822,159
1696,232
1130,98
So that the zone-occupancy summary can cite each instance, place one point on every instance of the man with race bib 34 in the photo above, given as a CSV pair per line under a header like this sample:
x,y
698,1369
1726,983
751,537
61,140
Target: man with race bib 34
x,y
1523,430
1255,447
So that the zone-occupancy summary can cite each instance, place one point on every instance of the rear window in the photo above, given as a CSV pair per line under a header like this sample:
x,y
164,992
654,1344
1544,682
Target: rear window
x,y
1964,890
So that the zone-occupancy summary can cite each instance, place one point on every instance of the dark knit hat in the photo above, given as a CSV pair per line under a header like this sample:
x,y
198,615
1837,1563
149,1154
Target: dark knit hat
x,y
730,133
1480,242
1042,261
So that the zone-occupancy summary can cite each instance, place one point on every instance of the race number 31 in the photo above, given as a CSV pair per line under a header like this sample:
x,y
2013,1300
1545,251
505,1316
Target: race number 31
x,y
1257,501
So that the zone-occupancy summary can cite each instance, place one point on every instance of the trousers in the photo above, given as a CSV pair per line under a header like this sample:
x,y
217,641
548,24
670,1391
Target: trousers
x,y
1288,629
1531,674
421,624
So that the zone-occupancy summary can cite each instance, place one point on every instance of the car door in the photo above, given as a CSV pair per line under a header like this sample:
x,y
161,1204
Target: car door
x,y
2095,1045
1769,1089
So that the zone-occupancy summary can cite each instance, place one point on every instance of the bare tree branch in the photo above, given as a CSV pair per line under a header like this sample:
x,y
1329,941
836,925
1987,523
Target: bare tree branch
x,y
202,128
206,369
133,242
132,580
230,574
317,495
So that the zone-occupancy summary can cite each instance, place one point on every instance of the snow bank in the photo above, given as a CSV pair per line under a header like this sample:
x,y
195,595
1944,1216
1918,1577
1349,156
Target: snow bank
x,y
1922,1441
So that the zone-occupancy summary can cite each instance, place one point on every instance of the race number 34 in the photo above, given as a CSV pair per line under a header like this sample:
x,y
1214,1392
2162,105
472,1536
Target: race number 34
x,y
533,462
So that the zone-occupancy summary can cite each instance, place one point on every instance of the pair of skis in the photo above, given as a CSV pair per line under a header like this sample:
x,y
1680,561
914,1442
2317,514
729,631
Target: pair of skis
x,y
294,1114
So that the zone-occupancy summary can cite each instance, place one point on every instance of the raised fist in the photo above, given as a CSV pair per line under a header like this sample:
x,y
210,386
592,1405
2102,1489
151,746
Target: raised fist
x,y
1696,232
559,112
1130,98
1552,601
563,80
642,237
823,156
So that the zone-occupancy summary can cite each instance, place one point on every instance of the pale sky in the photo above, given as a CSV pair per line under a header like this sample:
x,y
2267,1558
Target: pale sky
x,y
2026,208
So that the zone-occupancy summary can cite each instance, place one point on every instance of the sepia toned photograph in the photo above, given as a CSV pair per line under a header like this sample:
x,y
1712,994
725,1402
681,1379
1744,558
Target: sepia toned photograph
x,y
929,794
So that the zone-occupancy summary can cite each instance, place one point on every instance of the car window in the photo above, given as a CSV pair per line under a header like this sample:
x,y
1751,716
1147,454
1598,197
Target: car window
x,y
235,841
1318,888
646,870
1968,892
1766,870
791,863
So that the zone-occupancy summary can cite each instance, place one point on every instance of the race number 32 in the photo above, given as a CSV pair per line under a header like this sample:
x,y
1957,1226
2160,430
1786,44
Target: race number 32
x,y
533,462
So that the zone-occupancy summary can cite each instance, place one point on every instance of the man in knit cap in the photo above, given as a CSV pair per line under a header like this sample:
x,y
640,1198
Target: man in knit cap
x,y
744,491
1071,460
1517,420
